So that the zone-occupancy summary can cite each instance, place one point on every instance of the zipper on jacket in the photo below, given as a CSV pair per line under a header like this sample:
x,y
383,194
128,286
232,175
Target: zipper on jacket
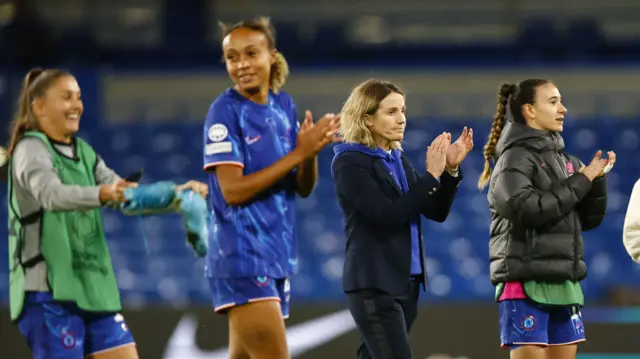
x,y
561,161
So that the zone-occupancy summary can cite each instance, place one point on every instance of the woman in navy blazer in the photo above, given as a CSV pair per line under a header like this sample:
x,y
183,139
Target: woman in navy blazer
x,y
382,197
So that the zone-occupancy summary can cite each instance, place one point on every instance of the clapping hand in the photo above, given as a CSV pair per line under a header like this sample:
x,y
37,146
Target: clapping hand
x,y
313,137
437,154
458,150
610,163
599,166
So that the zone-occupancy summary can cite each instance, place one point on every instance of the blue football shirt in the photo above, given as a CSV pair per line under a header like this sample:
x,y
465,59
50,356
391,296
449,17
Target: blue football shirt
x,y
257,238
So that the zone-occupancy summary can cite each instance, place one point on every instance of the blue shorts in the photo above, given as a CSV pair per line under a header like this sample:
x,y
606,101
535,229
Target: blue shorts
x,y
62,330
229,292
523,322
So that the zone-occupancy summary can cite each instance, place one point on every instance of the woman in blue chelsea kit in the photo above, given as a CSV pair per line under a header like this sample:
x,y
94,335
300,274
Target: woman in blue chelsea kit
x,y
258,159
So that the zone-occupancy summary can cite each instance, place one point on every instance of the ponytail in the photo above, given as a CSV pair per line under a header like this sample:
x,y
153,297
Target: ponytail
x,y
279,72
506,90
23,122
36,83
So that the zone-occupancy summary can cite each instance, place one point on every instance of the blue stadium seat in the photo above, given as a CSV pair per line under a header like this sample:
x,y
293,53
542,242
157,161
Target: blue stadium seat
x,y
456,250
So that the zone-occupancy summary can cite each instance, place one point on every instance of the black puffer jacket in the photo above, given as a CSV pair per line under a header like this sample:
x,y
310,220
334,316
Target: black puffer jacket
x,y
540,204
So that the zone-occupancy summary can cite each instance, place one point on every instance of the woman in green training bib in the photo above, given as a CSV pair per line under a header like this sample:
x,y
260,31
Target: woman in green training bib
x,y
541,199
64,295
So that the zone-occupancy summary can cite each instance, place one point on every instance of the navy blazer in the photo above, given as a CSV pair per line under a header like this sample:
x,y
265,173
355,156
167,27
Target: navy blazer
x,y
378,219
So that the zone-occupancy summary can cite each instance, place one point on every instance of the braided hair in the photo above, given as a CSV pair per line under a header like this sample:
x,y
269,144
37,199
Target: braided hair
x,y
512,97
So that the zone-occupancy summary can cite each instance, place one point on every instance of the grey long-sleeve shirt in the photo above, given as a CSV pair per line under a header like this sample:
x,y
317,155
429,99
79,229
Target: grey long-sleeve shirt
x,y
36,185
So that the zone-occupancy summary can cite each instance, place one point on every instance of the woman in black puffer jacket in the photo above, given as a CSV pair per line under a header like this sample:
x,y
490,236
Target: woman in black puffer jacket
x,y
541,199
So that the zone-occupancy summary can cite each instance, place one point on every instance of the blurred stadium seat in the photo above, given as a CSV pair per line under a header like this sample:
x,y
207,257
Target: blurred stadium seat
x,y
457,249
140,124
149,69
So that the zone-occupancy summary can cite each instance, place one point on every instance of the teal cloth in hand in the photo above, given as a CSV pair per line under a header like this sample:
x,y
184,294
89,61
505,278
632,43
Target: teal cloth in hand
x,y
195,215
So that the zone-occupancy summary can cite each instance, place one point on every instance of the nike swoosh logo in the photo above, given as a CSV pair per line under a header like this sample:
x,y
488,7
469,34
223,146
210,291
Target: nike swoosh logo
x,y
252,140
301,337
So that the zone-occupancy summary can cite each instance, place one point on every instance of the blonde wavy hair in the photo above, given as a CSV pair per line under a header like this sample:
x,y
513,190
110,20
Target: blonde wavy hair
x,y
280,68
364,101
